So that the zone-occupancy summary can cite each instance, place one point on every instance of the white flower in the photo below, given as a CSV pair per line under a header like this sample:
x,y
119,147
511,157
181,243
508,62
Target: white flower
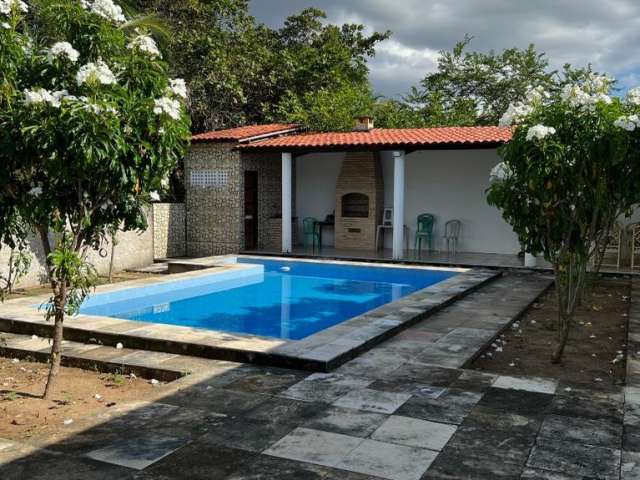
x,y
516,113
164,183
154,196
178,87
627,122
5,25
106,9
97,109
500,172
35,192
40,95
593,91
536,95
167,105
597,83
7,6
633,96
98,71
65,49
145,44
539,132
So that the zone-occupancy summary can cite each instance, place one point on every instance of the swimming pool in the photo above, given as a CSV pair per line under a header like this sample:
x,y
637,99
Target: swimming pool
x,y
277,298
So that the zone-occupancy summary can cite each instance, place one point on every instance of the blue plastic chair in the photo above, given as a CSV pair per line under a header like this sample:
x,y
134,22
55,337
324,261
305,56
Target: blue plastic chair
x,y
424,231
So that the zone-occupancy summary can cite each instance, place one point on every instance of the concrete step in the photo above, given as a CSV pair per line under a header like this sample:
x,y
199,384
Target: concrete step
x,y
143,363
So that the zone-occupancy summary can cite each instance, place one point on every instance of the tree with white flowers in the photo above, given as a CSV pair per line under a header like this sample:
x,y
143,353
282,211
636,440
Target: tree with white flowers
x,y
571,169
91,126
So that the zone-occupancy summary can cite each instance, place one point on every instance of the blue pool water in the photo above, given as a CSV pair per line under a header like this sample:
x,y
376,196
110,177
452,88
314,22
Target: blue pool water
x,y
282,299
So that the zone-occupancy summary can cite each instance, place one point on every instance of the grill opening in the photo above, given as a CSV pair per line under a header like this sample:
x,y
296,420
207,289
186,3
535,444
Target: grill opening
x,y
355,205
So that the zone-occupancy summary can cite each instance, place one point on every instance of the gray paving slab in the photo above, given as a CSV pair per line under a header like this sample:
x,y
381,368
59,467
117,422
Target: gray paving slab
x,y
325,387
576,459
137,452
413,432
582,430
630,469
347,421
452,406
370,400
394,462
314,446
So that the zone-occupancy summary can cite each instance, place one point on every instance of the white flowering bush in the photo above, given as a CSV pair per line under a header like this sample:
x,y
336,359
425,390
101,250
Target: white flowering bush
x,y
62,50
146,45
106,9
571,169
89,131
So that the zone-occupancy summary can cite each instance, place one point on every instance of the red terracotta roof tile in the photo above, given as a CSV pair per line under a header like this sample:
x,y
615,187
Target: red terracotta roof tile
x,y
244,133
389,137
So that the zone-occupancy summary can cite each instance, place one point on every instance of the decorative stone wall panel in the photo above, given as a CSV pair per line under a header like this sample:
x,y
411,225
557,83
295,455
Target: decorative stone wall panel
x,y
169,234
215,214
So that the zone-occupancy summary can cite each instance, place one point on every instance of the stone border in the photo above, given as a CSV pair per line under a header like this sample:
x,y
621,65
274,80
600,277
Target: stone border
x,y
322,351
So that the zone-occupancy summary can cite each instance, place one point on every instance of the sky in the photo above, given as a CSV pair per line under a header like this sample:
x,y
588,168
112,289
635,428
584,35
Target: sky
x,y
605,33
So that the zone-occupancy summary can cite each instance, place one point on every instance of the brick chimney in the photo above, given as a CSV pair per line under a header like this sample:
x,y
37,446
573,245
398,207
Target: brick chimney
x,y
363,124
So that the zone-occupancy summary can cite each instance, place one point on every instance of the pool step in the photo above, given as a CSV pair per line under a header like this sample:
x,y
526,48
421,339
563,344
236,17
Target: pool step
x,y
145,364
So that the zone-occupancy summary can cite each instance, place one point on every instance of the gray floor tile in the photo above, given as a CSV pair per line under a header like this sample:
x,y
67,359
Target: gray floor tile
x,y
324,387
395,462
347,421
201,461
372,400
575,459
630,466
534,474
314,446
413,432
582,430
537,385
451,407
137,452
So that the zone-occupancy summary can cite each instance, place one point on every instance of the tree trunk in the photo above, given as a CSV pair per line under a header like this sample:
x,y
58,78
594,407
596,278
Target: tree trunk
x,y
113,251
562,339
60,301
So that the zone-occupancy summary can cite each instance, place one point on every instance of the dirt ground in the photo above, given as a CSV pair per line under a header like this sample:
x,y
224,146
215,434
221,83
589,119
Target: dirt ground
x,y
596,350
24,414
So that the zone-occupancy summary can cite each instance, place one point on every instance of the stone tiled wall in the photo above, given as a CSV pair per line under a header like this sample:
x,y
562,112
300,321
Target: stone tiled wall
x,y
215,214
169,230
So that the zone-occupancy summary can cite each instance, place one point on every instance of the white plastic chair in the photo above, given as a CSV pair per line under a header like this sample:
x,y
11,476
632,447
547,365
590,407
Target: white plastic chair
x,y
451,234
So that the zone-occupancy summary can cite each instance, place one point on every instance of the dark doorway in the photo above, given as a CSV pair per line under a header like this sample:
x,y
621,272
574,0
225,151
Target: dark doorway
x,y
250,210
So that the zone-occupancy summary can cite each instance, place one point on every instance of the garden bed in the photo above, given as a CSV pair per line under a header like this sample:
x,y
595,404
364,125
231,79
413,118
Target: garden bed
x,y
594,354
79,393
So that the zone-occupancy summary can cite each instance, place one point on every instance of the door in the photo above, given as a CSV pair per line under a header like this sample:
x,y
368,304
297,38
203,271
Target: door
x,y
250,210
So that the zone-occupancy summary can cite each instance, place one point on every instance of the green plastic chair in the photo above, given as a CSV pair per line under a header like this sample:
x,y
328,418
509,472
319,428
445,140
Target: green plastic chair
x,y
311,232
424,231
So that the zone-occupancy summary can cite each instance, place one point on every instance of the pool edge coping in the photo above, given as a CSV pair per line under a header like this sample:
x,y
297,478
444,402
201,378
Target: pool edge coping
x,y
322,351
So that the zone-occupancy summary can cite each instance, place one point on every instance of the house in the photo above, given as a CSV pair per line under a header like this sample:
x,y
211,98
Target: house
x,y
241,183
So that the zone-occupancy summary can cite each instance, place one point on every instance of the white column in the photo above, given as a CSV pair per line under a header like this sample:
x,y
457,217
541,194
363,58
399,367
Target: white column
x,y
286,202
398,204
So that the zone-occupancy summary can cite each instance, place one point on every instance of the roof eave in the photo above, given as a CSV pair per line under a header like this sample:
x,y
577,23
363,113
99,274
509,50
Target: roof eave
x,y
302,149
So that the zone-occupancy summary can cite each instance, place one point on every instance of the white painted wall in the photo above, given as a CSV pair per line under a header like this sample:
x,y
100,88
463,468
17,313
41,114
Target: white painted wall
x,y
316,176
447,183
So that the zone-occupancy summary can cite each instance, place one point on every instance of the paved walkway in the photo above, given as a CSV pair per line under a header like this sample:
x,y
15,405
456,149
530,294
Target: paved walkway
x,y
404,410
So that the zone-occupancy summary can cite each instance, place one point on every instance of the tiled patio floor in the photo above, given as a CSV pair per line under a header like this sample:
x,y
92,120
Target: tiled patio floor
x,y
461,259
404,410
